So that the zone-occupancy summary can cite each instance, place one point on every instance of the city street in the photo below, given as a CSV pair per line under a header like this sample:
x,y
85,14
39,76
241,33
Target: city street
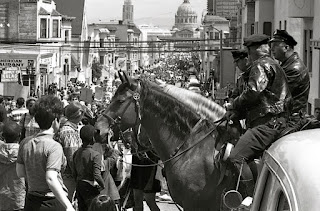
x,y
164,206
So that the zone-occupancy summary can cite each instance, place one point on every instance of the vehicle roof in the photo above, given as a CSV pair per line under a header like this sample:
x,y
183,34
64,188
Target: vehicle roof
x,y
298,154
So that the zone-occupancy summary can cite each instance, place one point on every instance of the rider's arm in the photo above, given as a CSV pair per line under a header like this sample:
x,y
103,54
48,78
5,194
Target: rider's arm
x,y
257,83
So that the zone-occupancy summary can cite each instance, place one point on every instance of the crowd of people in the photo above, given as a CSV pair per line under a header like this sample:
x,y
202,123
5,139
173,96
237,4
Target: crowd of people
x,y
51,157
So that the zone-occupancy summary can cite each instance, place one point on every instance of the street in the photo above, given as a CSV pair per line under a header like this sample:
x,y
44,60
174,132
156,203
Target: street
x,y
164,206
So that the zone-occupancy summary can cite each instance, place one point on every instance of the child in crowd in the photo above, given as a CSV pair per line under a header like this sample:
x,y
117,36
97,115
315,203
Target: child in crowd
x,y
12,188
86,169
102,203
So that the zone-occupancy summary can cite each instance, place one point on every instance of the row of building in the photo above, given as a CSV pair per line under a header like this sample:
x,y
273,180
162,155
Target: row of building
x,y
50,41
230,21
300,18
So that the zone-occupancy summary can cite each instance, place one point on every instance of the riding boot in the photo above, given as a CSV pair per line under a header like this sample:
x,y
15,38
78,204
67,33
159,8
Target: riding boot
x,y
246,184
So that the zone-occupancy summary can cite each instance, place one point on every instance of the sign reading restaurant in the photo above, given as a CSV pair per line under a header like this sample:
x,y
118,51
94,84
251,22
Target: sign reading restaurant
x,y
22,63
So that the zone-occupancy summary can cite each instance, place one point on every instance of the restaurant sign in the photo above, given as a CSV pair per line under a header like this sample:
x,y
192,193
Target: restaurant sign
x,y
22,63
10,74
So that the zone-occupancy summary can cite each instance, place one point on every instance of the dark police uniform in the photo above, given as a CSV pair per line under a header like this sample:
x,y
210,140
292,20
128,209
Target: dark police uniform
x,y
297,73
243,76
266,99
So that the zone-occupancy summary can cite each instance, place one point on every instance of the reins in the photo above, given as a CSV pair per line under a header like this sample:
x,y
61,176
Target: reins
x,y
136,97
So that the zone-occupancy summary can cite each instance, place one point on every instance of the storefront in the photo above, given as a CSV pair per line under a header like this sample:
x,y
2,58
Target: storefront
x,y
17,69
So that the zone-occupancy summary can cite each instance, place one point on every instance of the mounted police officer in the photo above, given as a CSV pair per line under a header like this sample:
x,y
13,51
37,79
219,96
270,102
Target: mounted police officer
x,y
240,58
282,47
266,100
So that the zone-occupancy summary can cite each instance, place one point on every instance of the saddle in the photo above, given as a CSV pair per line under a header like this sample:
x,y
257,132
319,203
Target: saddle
x,y
302,124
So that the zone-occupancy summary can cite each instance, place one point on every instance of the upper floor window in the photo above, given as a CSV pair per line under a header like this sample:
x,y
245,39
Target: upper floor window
x,y
55,28
101,43
66,36
43,28
267,28
216,35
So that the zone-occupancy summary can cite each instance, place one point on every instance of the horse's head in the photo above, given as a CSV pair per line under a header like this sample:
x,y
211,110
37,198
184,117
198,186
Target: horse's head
x,y
123,111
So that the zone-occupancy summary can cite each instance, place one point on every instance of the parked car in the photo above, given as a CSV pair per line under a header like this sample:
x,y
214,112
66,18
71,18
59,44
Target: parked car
x,y
290,176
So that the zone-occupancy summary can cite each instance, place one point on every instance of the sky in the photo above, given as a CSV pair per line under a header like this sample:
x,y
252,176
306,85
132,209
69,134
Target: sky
x,y
156,12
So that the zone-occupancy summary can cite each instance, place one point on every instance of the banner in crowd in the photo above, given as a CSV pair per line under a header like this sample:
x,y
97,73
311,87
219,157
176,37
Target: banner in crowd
x,y
21,91
86,95
98,93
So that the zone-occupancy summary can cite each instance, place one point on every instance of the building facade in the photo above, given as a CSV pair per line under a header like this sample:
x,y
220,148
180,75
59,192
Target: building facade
x,y
186,22
299,18
79,63
215,34
33,47
127,13
152,46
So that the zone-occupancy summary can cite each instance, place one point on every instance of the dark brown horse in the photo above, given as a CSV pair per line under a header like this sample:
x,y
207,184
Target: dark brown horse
x,y
184,140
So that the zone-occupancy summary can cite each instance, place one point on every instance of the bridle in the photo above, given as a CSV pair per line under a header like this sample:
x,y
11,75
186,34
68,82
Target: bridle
x,y
136,100
116,122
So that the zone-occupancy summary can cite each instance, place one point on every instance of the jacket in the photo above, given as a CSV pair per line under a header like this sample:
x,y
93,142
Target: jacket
x,y
267,92
12,188
240,85
298,80
87,165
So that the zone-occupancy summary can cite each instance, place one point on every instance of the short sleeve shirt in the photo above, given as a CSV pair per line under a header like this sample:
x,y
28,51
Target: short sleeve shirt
x,y
40,153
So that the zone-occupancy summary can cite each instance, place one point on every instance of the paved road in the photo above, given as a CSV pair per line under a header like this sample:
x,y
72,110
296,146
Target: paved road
x,y
162,205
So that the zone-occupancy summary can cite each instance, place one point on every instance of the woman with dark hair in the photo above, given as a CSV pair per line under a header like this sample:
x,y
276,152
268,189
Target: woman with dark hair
x,y
102,203
41,160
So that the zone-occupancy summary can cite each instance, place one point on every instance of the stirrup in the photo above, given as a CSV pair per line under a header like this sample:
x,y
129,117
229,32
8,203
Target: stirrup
x,y
227,151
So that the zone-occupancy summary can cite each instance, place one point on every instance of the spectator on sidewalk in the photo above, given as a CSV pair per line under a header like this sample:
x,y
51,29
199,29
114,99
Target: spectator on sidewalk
x,y
19,111
28,124
3,110
41,160
69,137
86,169
12,188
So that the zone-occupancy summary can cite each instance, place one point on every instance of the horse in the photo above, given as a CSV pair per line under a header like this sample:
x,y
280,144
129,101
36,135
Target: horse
x,y
185,141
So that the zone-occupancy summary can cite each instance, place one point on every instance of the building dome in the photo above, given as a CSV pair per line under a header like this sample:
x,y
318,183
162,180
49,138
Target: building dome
x,y
186,17
185,9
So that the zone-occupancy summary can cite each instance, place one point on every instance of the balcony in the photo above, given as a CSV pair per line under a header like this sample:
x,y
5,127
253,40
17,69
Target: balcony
x,y
300,8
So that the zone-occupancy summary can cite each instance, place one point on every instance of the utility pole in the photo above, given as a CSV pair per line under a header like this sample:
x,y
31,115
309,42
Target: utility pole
x,y
221,58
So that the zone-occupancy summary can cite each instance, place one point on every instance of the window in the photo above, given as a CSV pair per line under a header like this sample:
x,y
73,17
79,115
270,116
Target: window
x,y
307,54
267,27
285,25
55,28
216,35
43,28
66,36
280,25
252,29
101,43
283,204
101,59
211,35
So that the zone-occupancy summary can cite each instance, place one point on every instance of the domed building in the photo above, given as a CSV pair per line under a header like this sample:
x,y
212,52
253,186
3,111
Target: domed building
x,y
186,21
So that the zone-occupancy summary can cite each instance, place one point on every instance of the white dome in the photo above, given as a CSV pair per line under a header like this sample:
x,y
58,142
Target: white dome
x,y
185,9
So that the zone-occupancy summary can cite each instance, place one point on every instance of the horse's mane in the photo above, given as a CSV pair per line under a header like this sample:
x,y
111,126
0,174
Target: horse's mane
x,y
206,108
179,117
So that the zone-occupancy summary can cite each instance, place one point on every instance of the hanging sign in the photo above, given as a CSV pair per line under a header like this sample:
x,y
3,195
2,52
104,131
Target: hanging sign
x,y
10,74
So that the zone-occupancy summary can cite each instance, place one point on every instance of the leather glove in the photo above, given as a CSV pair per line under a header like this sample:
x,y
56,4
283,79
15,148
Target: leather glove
x,y
230,115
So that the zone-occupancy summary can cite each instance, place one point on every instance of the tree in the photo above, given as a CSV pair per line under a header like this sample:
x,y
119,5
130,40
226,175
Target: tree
x,y
96,70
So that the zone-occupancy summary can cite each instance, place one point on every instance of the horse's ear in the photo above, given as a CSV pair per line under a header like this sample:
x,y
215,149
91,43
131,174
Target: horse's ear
x,y
121,77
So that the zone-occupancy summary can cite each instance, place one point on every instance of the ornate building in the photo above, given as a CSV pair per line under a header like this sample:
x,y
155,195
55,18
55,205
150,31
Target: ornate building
x,y
127,13
186,21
